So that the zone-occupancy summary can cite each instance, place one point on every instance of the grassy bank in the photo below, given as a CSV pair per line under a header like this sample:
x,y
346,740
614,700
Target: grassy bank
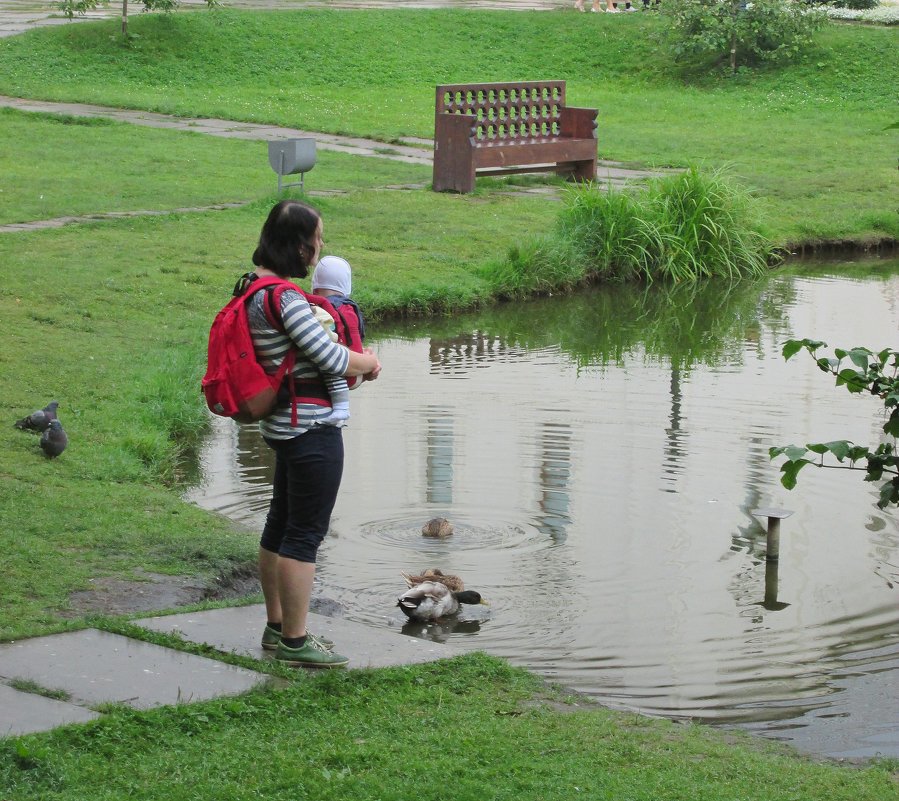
x,y
471,728
111,318
809,139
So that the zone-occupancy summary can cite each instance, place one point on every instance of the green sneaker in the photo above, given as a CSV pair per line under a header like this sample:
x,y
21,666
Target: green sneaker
x,y
311,654
271,638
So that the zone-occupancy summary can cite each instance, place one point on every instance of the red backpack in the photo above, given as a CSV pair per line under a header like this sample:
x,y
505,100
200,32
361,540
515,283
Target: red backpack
x,y
235,384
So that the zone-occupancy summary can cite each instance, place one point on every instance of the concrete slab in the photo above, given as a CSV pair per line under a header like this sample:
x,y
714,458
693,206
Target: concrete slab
x,y
25,713
239,629
95,667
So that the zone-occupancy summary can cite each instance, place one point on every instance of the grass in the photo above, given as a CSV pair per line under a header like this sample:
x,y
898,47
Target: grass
x,y
100,165
111,319
684,228
474,725
809,139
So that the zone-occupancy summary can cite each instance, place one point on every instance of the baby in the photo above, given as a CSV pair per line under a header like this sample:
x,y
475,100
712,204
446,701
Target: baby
x,y
332,279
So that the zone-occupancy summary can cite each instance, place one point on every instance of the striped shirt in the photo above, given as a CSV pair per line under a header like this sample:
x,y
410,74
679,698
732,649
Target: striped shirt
x,y
316,355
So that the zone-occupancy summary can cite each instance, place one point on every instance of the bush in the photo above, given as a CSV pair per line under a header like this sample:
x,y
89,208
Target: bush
x,y
679,229
857,4
739,31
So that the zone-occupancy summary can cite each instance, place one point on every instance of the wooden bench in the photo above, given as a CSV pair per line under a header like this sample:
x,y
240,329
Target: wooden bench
x,y
504,128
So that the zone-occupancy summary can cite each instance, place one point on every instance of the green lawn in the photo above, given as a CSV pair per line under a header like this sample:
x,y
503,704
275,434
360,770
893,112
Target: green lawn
x,y
809,139
468,729
110,318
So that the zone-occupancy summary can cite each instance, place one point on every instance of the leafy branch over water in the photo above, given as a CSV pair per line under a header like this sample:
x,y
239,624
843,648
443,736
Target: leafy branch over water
x,y
866,371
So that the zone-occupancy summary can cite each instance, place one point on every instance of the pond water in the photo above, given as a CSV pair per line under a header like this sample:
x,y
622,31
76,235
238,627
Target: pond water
x,y
601,457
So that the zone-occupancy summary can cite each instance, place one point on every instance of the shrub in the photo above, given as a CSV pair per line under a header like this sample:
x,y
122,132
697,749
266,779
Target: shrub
x,y
857,4
743,32
677,229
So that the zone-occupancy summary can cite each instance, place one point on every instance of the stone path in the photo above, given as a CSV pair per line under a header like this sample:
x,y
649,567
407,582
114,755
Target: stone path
x,y
85,669
415,151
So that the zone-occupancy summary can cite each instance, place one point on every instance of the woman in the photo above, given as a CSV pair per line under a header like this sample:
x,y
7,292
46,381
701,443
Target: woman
x,y
308,456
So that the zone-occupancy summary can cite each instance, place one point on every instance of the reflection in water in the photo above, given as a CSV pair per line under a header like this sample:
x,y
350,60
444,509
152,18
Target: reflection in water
x,y
770,602
439,469
554,435
674,451
555,471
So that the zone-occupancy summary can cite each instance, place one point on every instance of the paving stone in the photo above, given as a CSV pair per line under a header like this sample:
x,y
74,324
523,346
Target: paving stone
x,y
25,713
95,667
239,630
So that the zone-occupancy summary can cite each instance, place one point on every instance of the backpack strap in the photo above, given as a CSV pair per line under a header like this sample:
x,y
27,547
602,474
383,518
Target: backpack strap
x,y
271,306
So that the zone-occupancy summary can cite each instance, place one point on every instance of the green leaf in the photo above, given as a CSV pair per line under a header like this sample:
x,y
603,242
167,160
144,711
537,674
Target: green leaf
x,y
852,380
790,471
891,426
794,452
792,347
889,493
860,357
839,448
818,447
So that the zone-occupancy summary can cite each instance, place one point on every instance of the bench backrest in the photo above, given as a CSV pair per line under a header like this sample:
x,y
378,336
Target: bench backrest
x,y
506,112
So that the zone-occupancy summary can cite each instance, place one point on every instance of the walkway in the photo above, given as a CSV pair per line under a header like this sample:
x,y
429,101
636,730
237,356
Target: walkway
x,y
53,681
414,151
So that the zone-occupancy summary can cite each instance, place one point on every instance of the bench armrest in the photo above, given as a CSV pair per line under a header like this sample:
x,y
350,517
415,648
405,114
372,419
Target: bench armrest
x,y
578,123
454,126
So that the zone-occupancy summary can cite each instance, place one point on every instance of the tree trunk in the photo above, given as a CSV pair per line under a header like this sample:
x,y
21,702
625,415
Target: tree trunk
x,y
124,17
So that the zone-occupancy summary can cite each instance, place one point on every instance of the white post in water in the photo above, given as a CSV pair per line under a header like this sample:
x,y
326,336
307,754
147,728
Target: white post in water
x,y
774,517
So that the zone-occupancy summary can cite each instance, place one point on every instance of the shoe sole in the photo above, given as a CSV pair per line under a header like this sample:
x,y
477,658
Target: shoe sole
x,y
273,646
325,665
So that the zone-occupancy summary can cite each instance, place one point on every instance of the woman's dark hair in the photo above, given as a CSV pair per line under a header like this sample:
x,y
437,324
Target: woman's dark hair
x,y
287,241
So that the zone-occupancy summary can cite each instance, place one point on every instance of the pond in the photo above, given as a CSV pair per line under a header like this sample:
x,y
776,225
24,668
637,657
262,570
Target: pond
x,y
601,457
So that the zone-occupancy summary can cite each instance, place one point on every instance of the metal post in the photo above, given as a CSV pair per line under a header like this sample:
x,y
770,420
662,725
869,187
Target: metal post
x,y
772,553
774,517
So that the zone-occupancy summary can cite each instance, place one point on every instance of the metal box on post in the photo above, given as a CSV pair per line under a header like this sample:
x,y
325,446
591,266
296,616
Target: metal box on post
x,y
291,156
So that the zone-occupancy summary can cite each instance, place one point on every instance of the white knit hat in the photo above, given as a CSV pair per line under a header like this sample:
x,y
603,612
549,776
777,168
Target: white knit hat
x,y
332,272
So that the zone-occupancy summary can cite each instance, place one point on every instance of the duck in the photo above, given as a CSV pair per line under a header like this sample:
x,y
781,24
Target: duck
x,y
437,527
431,600
436,575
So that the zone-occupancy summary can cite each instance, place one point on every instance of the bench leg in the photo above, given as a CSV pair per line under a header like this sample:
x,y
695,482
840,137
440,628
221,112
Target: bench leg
x,y
584,171
453,177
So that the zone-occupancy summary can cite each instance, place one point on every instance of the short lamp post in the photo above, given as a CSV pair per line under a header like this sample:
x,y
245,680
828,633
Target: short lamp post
x,y
774,516
772,555
291,156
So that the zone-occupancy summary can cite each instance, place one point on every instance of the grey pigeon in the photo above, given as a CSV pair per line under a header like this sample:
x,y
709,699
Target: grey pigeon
x,y
54,439
39,420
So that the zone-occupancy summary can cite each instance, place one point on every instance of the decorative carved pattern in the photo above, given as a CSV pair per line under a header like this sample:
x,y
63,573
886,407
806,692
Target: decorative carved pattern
x,y
504,112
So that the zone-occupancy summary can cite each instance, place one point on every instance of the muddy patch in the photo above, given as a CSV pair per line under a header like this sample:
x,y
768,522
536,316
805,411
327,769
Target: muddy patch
x,y
151,592
155,592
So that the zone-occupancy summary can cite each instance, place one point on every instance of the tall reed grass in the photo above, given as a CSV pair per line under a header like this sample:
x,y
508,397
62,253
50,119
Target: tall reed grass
x,y
676,229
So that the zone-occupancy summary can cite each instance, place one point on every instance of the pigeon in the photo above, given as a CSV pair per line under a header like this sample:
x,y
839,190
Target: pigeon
x,y
54,439
39,420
